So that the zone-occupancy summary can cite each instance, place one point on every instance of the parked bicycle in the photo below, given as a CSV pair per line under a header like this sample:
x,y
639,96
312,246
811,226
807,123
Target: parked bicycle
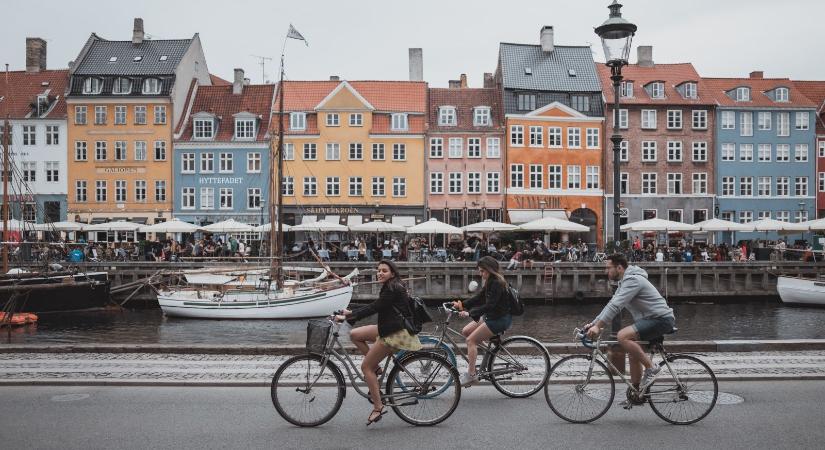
x,y
580,388
307,390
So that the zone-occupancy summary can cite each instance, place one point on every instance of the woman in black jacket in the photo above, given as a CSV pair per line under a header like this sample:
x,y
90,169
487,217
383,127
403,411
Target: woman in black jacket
x,y
490,310
389,335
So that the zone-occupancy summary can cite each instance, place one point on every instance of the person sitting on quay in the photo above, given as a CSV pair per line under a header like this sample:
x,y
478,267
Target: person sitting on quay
x,y
515,260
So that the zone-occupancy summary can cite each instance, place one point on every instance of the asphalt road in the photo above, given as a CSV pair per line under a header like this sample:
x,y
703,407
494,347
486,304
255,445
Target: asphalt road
x,y
787,414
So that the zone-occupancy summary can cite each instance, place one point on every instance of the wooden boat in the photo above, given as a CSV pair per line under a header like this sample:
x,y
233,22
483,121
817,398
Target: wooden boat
x,y
801,291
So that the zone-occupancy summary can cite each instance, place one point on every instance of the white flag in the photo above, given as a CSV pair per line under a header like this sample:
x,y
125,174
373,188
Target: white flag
x,y
294,34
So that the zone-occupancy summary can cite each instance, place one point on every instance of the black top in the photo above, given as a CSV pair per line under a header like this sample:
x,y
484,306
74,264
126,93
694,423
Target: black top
x,y
492,300
389,321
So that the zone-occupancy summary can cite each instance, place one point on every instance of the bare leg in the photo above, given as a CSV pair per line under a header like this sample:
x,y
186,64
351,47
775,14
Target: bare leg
x,y
481,334
376,354
470,327
627,339
362,335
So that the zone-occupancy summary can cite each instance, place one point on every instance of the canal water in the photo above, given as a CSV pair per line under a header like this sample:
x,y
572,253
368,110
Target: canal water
x,y
551,323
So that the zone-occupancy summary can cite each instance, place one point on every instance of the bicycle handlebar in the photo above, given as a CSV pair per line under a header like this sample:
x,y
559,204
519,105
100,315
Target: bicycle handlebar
x,y
581,335
448,306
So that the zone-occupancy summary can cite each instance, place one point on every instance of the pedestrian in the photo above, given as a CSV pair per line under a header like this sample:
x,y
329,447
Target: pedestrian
x,y
515,260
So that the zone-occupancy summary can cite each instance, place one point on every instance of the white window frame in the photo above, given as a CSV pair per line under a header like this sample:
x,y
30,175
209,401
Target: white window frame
x,y
333,151
554,176
310,187
474,147
675,151
297,121
121,88
762,155
728,187
160,114
517,135
648,119
691,91
120,115
493,182
764,186
593,138
399,152
333,119
187,162
493,147
436,147
378,187
783,124
474,182
592,176
253,162
783,186
436,182
699,119
289,151
764,119
207,163
699,151
151,86
746,152
516,175
226,162
574,177
657,90
624,151
650,183
399,187
226,198
574,137
801,186
92,86
536,134
120,191
355,186
203,129
649,151
310,151
356,120
802,120
447,116
140,115
728,120
378,151
482,116
187,198
454,182
782,94
554,137
743,94
455,147
253,198
536,173
81,115
745,123
783,152
674,184
207,198
333,186
244,128
699,183
674,119
400,122
746,186
800,153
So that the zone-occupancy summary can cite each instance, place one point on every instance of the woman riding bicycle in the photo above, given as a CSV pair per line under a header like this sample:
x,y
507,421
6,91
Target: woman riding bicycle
x,y
389,335
490,310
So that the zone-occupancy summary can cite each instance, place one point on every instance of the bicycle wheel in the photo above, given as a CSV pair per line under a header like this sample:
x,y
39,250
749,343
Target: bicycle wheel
x,y
410,391
518,367
579,389
307,393
430,345
685,392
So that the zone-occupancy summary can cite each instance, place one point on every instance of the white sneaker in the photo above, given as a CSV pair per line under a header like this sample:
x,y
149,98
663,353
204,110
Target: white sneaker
x,y
648,377
466,379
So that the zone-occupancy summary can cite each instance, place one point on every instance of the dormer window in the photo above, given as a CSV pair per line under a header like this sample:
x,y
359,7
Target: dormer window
x,y
203,129
446,116
122,86
151,86
782,94
92,86
657,90
691,90
627,89
297,121
743,94
113,59
163,57
481,116
244,128
42,105
399,122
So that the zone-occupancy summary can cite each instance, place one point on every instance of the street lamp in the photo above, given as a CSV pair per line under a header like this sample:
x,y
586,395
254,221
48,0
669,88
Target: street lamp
x,y
542,204
616,34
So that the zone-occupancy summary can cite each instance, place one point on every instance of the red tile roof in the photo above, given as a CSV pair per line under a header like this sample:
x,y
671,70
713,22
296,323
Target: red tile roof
x,y
672,75
218,81
719,86
24,87
464,100
396,96
220,101
815,91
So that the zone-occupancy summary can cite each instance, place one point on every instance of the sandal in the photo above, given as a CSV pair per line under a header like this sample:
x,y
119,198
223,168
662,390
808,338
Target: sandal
x,y
373,418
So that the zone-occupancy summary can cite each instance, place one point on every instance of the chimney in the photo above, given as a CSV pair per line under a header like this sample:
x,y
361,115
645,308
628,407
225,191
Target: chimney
x,y
237,83
334,78
35,54
454,84
463,80
757,74
546,39
247,81
644,55
416,64
137,31
489,81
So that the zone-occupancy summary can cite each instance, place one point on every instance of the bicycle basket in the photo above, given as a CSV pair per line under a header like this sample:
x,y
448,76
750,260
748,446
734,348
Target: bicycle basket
x,y
318,331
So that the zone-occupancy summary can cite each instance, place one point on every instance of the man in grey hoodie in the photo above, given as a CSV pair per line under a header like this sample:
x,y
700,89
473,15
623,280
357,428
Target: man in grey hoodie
x,y
651,315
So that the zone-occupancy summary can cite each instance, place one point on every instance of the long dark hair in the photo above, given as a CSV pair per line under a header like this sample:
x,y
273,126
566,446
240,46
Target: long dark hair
x,y
395,282
490,264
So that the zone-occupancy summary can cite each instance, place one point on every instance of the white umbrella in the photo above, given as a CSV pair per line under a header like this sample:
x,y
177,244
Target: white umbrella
x,y
553,224
433,226
488,226
814,225
228,226
60,226
659,225
17,225
377,226
775,225
265,228
119,225
722,225
171,226
320,226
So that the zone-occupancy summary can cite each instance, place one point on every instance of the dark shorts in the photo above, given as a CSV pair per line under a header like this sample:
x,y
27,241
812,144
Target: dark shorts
x,y
500,325
649,329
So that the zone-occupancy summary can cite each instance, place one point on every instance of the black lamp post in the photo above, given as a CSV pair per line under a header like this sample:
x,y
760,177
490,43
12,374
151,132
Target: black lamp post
x,y
616,34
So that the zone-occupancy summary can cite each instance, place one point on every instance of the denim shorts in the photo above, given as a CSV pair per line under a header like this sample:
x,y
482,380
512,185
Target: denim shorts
x,y
500,325
653,328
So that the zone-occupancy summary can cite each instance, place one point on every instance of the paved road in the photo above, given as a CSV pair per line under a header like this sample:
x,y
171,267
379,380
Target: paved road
x,y
786,414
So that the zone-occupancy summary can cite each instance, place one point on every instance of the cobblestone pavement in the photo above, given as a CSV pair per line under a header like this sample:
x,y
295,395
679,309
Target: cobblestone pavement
x,y
255,370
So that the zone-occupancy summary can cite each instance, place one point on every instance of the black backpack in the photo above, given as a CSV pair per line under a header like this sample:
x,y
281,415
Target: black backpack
x,y
419,316
516,304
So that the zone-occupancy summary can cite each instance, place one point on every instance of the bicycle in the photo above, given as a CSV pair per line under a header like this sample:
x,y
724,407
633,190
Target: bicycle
x,y
516,366
308,390
580,388
599,256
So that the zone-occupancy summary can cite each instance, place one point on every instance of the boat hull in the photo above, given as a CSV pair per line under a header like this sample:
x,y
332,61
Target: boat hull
x,y
58,293
799,291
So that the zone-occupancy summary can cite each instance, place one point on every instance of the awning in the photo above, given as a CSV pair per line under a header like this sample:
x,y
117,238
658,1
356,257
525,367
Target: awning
x,y
309,219
142,220
404,221
333,219
354,220
519,216
96,220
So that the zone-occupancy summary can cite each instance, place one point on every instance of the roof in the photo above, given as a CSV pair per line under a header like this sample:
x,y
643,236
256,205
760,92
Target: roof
x,y
218,81
464,100
719,86
550,71
222,103
386,96
97,60
815,91
24,87
672,75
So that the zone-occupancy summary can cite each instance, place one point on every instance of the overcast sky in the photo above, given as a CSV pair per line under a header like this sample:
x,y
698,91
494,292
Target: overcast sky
x,y
368,39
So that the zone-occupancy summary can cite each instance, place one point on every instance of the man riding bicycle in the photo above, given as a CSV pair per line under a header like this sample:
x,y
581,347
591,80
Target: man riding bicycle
x,y
651,315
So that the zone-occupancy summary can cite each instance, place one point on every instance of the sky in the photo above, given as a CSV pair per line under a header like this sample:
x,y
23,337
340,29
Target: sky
x,y
369,39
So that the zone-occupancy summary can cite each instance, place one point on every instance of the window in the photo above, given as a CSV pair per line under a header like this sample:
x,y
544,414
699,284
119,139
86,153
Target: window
x,y
727,215
333,186
100,115
674,119
728,120
455,147
473,148
592,177
289,151
580,102
399,122
187,196
481,116
377,152
436,183
674,184
140,115
207,198
92,86
516,175
624,180
29,135
745,216
288,186
746,123
297,121
700,183
474,183
446,116
399,187
187,163
140,150
574,177
226,198
554,137
333,120
648,151
207,163
800,216
593,138
781,94
801,152
160,150
310,186
649,119
763,186
728,152
783,186
554,177
310,151
728,187
674,151
356,119
52,171
802,120
29,170
204,129
494,147
517,135
574,137
536,137
783,152
783,216
674,215
101,191
140,191
399,152
743,94
333,151
151,86
122,86
378,186
690,90
160,191
120,150
80,191
821,181
100,151
436,147
493,182
536,176
763,215
764,152
160,115
700,119
526,102
746,152
627,89
455,182
822,149
226,163
624,119
244,128
783,124
764,120
746,186
355,187
801,186
700,151
624,151
120,191
657,90
253,162
120,115
80,115
648,183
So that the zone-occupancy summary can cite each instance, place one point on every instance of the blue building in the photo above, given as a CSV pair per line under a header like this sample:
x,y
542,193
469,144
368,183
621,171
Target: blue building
x,y
221,154
765,151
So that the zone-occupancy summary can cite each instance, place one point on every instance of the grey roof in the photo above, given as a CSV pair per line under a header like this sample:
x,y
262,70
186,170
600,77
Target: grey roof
x,y
96,60
550,71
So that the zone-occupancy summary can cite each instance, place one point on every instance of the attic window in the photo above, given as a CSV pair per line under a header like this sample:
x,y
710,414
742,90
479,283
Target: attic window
x,y
164,57
571,72
113,59
528,71
44,83
137,58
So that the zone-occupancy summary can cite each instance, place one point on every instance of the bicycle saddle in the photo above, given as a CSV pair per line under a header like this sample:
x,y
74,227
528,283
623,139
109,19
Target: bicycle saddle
x,y
659,340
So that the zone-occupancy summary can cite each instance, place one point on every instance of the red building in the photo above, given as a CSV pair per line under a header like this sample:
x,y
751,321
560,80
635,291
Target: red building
x,y
815,91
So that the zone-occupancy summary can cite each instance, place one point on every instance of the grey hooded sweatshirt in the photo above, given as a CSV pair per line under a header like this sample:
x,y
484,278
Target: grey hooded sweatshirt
x,y
637,295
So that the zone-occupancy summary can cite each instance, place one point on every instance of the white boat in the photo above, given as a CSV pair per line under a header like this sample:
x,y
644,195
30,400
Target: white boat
x,y
234,277
801,291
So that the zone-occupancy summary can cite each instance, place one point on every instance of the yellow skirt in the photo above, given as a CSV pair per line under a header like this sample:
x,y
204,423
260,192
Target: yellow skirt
x,y
401,340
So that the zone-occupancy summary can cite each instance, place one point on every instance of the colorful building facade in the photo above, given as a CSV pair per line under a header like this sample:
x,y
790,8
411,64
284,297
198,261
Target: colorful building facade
x,y
815,91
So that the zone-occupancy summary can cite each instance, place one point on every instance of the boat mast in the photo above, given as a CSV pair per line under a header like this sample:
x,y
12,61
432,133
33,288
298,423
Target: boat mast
x,y
5,208
276,238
